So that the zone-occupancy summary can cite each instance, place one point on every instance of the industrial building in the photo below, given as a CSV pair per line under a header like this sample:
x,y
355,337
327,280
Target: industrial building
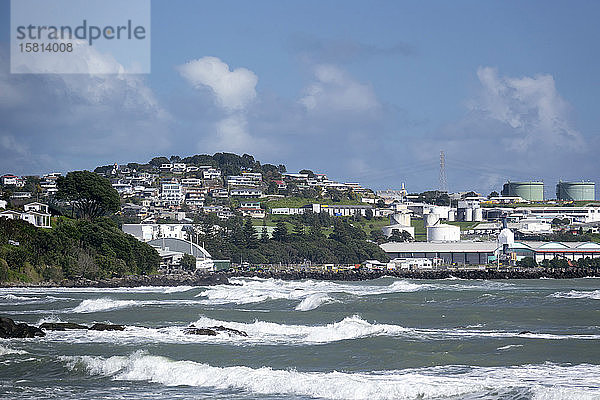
x,y
477,253
171,251
451,252
530,191
573,214
576,191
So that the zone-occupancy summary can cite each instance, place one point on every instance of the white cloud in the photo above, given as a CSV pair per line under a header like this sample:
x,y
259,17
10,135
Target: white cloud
x,y
531,107
234,90
336,91
78,120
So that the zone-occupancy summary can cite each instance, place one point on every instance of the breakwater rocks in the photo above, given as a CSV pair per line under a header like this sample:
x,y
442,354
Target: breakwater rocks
x,y
212,331
181,279
10,329
360,275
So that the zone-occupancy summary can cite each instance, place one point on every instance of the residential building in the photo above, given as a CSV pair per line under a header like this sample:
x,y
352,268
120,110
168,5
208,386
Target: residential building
x,y
171,194
246,192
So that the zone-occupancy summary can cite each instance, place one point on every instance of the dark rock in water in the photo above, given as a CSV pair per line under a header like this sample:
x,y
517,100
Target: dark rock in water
x,y
199,331
524,332
106,327
61,326
8,329
212,331
228,330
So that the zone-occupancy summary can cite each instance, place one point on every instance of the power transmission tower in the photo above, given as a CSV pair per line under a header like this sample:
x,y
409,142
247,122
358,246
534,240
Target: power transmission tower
x,y
443,179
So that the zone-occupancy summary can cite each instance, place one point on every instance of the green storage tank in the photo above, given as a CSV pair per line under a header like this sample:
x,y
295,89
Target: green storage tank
x,y
531,191
576,191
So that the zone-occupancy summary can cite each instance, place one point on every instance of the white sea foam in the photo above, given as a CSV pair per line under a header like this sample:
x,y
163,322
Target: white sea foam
x,y
103,304
259,333
510,346
255,290
108,304
577,294
14,298
7,350
265,332
178,289
313,301
543,381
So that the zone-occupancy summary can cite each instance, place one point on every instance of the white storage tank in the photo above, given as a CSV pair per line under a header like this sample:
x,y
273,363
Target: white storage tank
x,y
468,214
506,237
452,215
400,218
431,219
443,233
477,214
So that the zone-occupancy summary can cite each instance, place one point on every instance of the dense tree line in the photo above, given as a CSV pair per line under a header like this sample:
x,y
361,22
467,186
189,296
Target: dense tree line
x,y
238,240
228,163
73,249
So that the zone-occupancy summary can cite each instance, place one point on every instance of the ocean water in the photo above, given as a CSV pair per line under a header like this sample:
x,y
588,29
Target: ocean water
x,y
382,339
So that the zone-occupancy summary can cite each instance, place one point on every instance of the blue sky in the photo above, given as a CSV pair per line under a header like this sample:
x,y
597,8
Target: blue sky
x,y
364,91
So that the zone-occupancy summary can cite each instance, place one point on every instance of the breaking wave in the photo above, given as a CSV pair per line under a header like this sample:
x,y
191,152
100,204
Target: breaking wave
x,y
257,290
103,304
108,304
313,301
7,350
537,381
576,294
270,333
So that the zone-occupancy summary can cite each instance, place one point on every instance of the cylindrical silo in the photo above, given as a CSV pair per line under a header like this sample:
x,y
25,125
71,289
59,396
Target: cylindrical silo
x,y
443,233
452,215
431,219
468,214
531,191
576,191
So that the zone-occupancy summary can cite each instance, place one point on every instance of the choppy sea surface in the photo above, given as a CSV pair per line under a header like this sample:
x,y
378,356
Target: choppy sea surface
x,y
382,339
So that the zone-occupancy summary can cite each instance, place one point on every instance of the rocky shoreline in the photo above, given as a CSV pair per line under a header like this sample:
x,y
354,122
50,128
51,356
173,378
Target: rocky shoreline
x,y
133,281
361,275
222,278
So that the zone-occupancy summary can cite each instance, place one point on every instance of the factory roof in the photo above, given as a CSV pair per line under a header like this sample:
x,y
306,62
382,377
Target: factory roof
x,y
439,247
486,247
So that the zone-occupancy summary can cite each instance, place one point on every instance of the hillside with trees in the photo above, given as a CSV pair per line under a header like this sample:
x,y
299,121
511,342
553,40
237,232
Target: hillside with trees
x,y
90,246
238,240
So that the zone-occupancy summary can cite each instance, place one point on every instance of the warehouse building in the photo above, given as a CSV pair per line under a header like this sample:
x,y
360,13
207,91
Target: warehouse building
x,y
478,253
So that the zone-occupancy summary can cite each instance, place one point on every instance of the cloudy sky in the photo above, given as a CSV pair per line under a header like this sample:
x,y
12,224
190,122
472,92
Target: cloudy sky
x,y
363,91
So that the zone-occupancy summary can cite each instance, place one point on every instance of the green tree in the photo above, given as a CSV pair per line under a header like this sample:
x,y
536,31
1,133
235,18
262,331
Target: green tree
x,y
158,161
377,236
250,234
493,194
298,231
280,233
188,262
527,262
90,194
399,236
308,172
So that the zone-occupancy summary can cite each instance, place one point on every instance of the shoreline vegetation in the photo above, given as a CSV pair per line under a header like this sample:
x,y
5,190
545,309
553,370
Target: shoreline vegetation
x,y
222,278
